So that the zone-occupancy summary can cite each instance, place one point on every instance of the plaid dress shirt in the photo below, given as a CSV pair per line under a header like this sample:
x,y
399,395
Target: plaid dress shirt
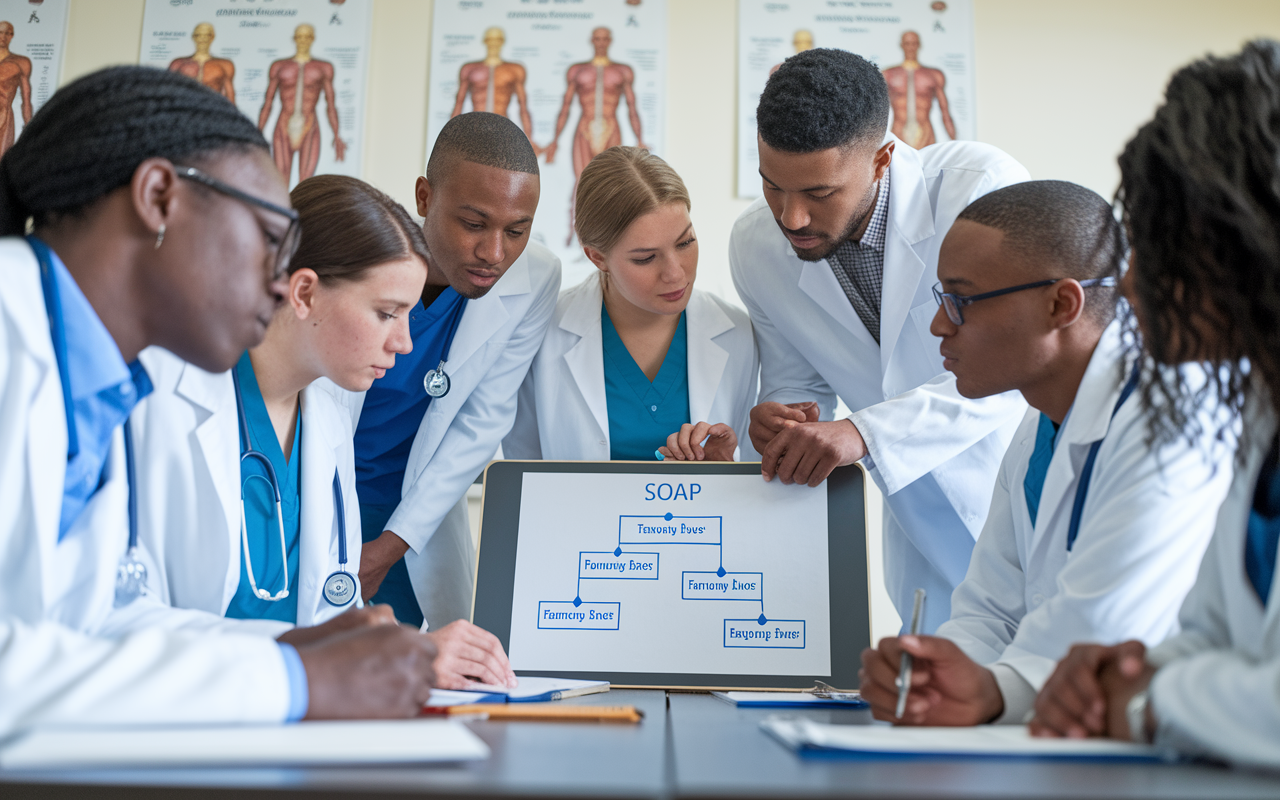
x,y
859,266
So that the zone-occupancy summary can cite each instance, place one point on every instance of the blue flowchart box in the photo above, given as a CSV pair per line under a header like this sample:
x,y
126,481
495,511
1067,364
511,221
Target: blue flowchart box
x,y
669,529
565,615
626,567
726,586
780,634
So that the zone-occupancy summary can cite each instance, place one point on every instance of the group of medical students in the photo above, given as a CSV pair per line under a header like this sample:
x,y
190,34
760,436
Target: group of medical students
x,y
237,424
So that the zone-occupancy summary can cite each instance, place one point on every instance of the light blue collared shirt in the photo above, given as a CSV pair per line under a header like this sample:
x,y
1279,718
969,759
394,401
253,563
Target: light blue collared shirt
x,y
104,390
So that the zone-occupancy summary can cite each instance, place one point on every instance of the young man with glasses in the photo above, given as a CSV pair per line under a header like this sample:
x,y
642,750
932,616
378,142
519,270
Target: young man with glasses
x,y
1092,535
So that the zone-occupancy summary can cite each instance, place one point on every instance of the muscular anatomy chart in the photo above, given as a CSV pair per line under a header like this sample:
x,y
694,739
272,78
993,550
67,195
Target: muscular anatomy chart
x,y
577,76
924,49
296,67
722,574
31,42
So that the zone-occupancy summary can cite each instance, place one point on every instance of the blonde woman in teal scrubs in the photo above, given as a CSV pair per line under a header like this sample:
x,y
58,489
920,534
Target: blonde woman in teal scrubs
x,y
638,364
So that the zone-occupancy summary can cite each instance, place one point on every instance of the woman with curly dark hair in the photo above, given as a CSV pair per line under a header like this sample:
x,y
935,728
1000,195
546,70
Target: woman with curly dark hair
x,y
1200,189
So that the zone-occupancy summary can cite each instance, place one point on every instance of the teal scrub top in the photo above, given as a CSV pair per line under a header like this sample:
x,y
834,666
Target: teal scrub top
x,y
642,414
260,510
1038,466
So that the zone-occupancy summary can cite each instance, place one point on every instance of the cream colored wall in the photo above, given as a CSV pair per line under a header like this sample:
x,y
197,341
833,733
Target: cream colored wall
x,y
1060,86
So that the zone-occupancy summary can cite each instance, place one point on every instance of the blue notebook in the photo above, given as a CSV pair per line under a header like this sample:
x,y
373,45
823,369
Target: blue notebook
x,y
530,690
882,741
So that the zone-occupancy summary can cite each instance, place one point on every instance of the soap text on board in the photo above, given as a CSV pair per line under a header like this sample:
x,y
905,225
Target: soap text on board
x,y
667,491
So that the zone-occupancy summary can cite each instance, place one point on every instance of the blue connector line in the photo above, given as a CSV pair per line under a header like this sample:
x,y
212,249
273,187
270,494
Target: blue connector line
x,y
668,517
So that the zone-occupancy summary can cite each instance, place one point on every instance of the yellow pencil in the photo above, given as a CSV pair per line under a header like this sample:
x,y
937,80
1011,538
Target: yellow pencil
x,y
541,712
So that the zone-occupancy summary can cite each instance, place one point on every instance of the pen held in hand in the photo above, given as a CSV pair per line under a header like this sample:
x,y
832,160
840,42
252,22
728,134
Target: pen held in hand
x,y
904,668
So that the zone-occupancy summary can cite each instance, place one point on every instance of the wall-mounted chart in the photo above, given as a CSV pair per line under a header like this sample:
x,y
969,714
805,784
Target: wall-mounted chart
x,y
923,47
32,37
296,67
578,76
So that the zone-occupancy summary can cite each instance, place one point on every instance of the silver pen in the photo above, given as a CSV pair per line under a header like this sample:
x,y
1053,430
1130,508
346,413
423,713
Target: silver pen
x,y
904,670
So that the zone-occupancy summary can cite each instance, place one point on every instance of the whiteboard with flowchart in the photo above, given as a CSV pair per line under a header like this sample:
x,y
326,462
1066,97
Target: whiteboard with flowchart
x,y
674,574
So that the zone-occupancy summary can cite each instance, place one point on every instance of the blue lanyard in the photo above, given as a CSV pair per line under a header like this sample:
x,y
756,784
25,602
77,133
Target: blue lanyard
x,y
57,332
1082,488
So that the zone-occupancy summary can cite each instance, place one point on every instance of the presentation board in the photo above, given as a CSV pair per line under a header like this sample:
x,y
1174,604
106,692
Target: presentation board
x,y
674,574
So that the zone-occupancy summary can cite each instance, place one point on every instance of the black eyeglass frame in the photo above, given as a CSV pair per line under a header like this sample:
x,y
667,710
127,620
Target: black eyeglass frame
x,y
954,303
293,234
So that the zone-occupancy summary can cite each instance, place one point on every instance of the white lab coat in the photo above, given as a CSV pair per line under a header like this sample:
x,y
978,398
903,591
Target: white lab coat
x,y
490,355
1217,692
933,453
1144,527
187,446
563,414
55,596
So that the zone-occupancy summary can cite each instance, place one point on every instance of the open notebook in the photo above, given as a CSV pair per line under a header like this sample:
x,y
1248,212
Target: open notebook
x,y
990,741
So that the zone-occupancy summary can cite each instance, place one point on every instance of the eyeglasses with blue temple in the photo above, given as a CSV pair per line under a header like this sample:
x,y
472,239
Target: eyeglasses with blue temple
x,y
953,303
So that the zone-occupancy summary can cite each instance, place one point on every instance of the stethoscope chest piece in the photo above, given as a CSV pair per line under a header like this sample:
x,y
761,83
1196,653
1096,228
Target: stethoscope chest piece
x,y
340,588
436,382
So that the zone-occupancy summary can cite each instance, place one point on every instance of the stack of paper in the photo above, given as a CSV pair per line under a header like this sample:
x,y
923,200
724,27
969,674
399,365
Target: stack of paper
x,y
306,743
788,700
1001,741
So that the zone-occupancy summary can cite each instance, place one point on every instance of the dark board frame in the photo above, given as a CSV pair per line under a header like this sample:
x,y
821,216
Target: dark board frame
x,y
847,570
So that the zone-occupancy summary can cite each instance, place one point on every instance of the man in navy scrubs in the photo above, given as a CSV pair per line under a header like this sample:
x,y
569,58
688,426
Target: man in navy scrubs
x,y
428,426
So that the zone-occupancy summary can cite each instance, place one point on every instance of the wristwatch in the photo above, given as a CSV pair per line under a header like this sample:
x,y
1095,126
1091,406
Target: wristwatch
x,y
1136,714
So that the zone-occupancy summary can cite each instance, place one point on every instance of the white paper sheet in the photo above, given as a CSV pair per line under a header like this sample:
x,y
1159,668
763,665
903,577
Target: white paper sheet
x,y
531,688
983,740
327,743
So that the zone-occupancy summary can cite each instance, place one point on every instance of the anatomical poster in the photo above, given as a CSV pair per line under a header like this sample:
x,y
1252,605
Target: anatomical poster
x,y
295,67
32,36
577,76
924,48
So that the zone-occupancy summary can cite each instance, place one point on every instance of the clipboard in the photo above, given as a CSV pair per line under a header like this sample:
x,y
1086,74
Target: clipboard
x,y
674,575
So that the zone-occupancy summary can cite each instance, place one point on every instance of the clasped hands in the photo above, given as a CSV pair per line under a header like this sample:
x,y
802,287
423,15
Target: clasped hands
x,y
797,448
1087,694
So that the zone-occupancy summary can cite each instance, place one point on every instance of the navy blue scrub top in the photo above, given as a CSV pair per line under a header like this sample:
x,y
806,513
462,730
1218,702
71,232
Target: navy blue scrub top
x,y
260,510
395,404
642,414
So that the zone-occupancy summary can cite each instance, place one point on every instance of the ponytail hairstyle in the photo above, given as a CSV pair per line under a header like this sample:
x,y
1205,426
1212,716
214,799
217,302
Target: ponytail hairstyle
x,y
89,139
618,186
1200,193
348,227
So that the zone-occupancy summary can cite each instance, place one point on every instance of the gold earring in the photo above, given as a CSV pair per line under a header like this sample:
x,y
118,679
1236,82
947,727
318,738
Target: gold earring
x,y
160,236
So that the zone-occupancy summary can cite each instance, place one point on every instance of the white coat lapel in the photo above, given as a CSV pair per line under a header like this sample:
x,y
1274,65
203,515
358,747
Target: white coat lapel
x,y
820,284
217,446
318,544
47,464
910,221
585,359
1087,422
704,321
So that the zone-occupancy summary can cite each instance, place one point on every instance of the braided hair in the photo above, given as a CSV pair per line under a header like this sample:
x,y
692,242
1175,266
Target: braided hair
x,y
1200,195
90,137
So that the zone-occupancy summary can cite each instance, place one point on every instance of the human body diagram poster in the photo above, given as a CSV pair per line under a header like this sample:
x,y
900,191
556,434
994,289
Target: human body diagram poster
x,y
923,47
32,37
295,67
711,574
578,76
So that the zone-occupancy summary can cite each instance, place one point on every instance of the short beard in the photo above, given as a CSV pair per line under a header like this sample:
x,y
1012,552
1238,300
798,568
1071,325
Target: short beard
x,y
859,218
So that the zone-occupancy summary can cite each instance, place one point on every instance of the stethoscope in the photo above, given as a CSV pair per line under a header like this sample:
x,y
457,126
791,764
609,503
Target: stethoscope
x,y
1082,488
131,573
340,587
436,381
